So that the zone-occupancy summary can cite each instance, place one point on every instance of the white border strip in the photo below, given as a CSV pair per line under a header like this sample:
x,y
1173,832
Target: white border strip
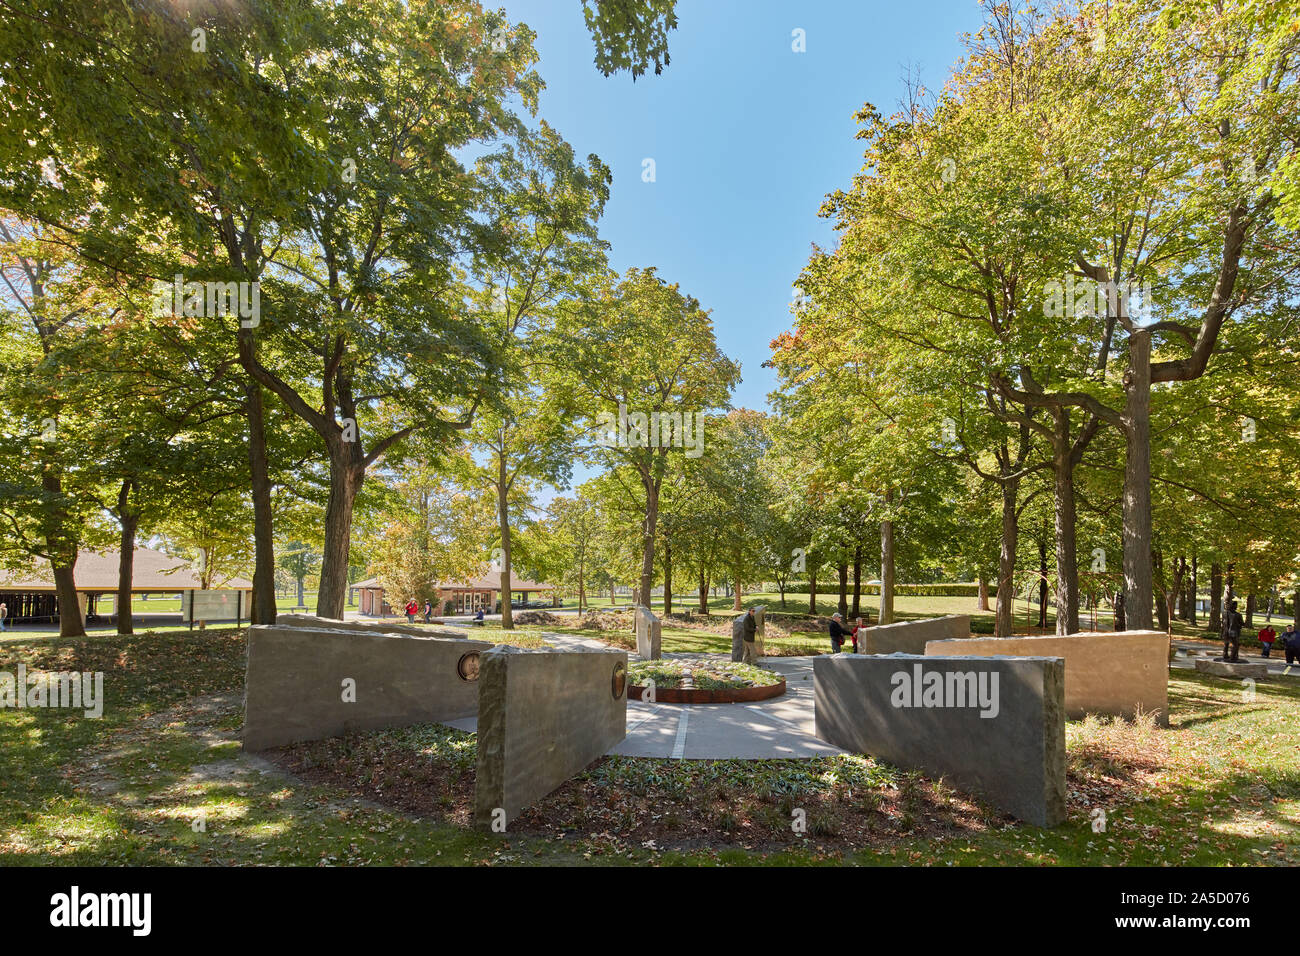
x,y
679,745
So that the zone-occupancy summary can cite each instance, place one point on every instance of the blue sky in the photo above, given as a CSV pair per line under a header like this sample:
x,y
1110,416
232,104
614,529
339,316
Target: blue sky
x,y
747,137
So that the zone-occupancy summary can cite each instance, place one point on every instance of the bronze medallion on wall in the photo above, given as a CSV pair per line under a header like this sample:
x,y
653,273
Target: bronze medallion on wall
x,y
619,682
467,666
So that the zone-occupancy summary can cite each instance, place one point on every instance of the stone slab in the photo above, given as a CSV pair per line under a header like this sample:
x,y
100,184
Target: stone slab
x,y
544,715
294,688
649,634
1241,669
910,637
1115,673
370,627
1007,744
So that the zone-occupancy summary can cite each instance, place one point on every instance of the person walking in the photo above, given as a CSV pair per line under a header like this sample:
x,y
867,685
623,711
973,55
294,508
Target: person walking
x,y
1266,638
837,632
428,611
1291,644
411,609
4,614
1232,622
748,644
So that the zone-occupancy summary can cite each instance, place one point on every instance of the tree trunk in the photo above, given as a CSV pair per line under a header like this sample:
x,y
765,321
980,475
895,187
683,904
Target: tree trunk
x,y
71,623
1250,609
812,591
983,604
887,569
1192,590
704,593
1121,611
263,609
503,524
1137,482
1004,615
1216,597
1162,593
1175,593
1042,584
844,589
346,476
648,527
129,517
1067,559
857,581
668,578
735,606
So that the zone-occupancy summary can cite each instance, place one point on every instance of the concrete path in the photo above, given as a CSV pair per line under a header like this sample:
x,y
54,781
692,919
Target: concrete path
x,y
1186,652
780,728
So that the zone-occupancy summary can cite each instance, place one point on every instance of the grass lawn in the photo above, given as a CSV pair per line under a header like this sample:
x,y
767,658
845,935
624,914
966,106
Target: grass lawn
x,y
911,607
171,604
161,779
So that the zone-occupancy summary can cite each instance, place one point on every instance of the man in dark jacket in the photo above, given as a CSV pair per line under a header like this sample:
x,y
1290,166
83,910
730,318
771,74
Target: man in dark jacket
x,y
1291,644
749,631
837,632
1232,623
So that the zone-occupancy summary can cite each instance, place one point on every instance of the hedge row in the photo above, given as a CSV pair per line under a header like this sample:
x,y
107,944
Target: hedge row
x,y
917,590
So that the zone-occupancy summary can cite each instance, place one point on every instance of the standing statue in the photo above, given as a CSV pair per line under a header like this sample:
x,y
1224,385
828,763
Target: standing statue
x,y
1232,624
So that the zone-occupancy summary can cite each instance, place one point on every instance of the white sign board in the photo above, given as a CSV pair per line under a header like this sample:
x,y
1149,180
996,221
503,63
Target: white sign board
x,y
211,605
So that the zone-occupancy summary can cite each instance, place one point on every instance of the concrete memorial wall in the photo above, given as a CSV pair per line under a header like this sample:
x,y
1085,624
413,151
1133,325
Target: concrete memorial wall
x,y
307,683
910,637
544,715
991,725
1115,673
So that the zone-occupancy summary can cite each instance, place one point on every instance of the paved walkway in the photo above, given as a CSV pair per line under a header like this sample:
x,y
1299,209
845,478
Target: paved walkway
x,y
765,730
1186,652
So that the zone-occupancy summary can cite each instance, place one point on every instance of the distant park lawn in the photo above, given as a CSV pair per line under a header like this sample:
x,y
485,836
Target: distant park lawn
x,y
696,640
161,779
171,604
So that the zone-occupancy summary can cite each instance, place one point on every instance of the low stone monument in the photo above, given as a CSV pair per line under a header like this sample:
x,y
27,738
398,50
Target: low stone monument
x,y
1115,673
910,637
1255,670
738,639
649,634
993,725
543,715
307,683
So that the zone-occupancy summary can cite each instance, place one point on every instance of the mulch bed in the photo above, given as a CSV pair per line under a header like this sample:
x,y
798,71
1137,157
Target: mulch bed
x,y
631,802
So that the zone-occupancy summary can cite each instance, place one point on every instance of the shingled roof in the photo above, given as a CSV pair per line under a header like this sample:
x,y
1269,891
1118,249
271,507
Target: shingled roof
x,y
97,571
